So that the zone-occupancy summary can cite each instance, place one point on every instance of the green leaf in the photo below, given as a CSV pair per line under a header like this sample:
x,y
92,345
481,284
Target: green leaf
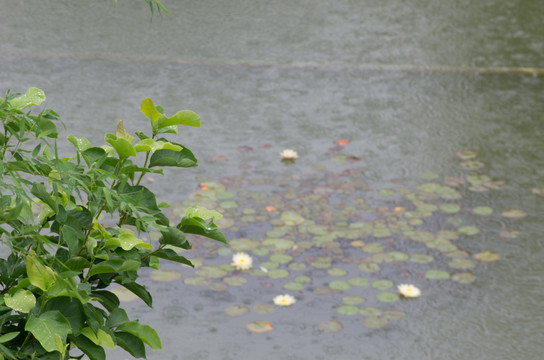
x,y
71,308
47,327
116,318
9,336
100,338
41,193
22,301
184,117
93,351
45,127
149,110
140,291
132,344
114,266
40,275
165,157
171,255
108,299
203,213
80,143
123,147
32,97
174,237
146,333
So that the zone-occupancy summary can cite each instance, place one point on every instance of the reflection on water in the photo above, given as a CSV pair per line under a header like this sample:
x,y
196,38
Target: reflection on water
x,y
404,82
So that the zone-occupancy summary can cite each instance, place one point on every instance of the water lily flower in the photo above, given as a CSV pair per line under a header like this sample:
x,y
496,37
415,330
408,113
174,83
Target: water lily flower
x,y
289,154
242,261
284,300
408,290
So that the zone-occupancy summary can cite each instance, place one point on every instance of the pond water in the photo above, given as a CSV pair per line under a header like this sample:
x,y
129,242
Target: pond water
x,y
409,85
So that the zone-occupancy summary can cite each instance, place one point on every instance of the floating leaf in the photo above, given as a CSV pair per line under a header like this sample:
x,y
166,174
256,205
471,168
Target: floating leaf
x,y
337,272
236,310
450,208
303,279
281,258
208,271
339,285
421,258
514,213
482,210
297,266
375,322
369,267
294,286
235,280
370,311
437,274
353,300
398,256
264,308
471,165
229,204
393,314
279,244
487,256
463,278
468,230
197,281
466,154
291,218
382,284
330,326
259,326
218,286
164,275
278,273
358,281
461,264
387,296
348,310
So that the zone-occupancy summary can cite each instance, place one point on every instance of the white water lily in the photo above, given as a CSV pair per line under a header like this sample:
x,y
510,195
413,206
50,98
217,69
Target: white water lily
x,y
408,290
289,154
242,261
284,300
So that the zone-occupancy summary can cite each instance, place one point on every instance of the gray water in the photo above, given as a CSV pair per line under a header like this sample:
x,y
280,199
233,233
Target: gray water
x,y
409,83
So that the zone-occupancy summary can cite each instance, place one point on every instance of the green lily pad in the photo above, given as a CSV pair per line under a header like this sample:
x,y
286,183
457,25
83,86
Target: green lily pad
x,y
387,296
322,291
348,310
229,204
303,279
370,311
398,256
218,286
235,280
421,236
539,190
358,281
426,207
468,230
164,275
369,267
421,258
382,284
277,233
337,272
373,248
466,154
243,245
353,300
463,278
339,285
482,210
278,273
291,218
197,281
260,251
225,251
471,164
330,326
393,314
259,326
279,244
236,310
461,264
269,265
375,322
321,263
487,256
297,266
450,208
281,258
514,213
264,308
382,258
437,274
294,286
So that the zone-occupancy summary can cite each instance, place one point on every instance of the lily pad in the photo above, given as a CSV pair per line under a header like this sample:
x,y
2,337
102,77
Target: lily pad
x,y
218,286
208,271
382,284
463,278
279,244
321,263
487,256
375,322
294,286
281,258
259,326
197,281
370,311
450,208
291,218
229,204
297,266
369,267
337,272
482,210
263,308
468,230
374,248
348,310
437,274
421,258
269,265
398,256
471,164
353,300
243,245
236,310
539,190
514,213
358,281
164,275
339,285
235,280
466,154
303,279
387,296
393,314
278,273
330,326
461,264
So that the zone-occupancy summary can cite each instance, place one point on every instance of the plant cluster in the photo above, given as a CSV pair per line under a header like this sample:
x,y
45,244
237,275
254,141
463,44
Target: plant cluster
x,y
73,228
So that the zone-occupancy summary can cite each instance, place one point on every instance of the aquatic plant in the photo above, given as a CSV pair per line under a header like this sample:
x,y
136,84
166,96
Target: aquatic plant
x,y
75,227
